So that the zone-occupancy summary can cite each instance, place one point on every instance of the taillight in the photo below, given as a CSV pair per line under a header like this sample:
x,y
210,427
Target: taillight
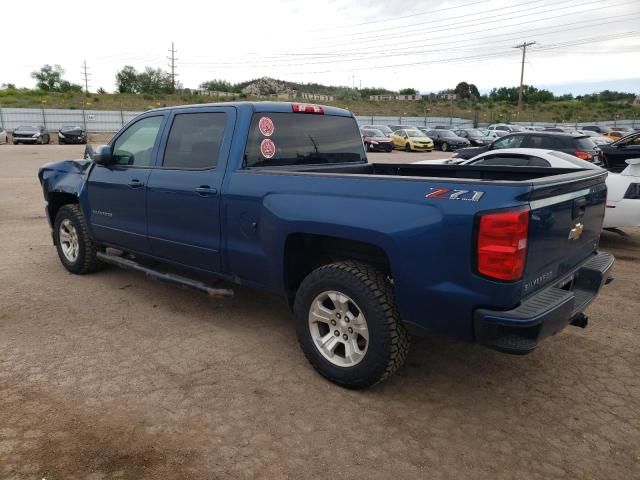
x,y
502,244
307,108
583,155
633,192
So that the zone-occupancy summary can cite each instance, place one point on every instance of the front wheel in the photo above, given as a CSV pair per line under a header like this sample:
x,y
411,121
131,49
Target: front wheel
x,y
348,326
445,147
76,249
407,147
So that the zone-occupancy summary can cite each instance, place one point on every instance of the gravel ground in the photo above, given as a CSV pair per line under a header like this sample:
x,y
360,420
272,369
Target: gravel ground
x,y
113,375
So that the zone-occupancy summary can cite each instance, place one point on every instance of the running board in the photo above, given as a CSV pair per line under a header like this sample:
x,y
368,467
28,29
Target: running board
x,y
127,264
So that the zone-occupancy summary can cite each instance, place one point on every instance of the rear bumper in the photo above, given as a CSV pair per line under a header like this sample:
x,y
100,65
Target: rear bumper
x,y
544,313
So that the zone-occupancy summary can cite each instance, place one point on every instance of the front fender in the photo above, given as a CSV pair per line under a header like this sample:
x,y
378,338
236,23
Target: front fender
x,y
67,176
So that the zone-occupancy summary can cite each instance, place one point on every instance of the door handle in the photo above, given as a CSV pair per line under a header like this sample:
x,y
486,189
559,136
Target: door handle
x,y
135,183
206,191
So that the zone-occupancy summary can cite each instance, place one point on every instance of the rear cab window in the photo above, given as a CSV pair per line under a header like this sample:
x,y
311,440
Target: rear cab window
x,y
289,139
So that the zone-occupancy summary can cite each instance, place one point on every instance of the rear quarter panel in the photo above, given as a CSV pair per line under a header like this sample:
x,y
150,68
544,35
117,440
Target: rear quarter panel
x,y
429,242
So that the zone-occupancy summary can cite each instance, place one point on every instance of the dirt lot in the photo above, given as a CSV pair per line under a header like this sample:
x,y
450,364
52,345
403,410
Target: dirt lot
x,y
113,375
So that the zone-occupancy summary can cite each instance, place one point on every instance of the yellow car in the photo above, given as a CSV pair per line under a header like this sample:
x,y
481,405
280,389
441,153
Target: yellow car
x,y
613,135
411,139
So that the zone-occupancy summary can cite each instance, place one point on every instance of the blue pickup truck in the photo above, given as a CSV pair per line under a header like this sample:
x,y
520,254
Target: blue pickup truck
x,y
281,197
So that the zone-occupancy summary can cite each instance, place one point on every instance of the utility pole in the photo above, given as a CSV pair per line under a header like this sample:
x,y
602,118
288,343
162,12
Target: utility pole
x,y
523,46
172,65
86,75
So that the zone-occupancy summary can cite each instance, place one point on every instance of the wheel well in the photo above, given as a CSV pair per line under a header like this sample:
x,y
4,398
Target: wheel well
x,y
305,252
56,200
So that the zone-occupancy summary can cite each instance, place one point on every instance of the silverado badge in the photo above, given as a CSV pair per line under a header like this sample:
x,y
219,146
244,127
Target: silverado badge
x,y
576,232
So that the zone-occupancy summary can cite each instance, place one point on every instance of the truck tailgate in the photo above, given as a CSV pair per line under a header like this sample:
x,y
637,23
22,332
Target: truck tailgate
x,y
566,221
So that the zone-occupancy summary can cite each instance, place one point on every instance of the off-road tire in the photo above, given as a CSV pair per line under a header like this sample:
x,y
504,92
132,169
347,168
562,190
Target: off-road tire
x,y
87,261
372,291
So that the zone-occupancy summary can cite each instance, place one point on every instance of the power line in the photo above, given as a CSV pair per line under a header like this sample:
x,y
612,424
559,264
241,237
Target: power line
x,y
523,46
86,75
172,65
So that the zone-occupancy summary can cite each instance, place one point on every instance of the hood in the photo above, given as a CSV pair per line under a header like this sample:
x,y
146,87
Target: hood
x,y
379,139
71,130
470,152
26,130
67,166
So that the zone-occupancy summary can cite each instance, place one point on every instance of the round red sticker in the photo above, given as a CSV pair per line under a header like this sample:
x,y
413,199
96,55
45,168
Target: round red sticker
x,y
268,148
266,126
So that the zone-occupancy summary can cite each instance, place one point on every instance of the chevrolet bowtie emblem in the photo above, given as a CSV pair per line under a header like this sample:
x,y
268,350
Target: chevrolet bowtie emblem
x,y
576,232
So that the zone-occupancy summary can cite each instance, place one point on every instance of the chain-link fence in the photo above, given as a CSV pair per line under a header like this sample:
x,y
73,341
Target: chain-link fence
x,y
110,121
95,121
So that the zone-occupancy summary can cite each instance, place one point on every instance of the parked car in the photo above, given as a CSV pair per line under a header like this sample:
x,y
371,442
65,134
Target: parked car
x,y
559,129
280,197
578,145
386,131
4,136
596,128
624,130
493,134
505,127
616,153
31,134
614,135
72,134
446,140
475,136
411,139
395,128
596,137
623,189
375,141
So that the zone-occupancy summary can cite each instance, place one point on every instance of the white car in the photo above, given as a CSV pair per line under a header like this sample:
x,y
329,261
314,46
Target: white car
x,y
4,136
623,189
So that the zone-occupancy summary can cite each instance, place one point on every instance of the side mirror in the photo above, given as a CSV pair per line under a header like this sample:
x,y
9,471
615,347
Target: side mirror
x,y
102,155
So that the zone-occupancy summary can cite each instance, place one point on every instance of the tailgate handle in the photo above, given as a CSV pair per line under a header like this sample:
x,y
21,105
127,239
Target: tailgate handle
x,y
579,207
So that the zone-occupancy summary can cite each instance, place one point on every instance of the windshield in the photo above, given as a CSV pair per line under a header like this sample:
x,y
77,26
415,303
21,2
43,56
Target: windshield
x,y
373,133
279,139
414,133
475,133
447,134
26,127
71,127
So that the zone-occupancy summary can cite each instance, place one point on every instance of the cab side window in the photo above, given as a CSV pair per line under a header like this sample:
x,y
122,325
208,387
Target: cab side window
x,y
134,146
194,140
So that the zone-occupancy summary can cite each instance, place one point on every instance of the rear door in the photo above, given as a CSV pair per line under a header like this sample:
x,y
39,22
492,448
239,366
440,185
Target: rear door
x,y
183,193
566,221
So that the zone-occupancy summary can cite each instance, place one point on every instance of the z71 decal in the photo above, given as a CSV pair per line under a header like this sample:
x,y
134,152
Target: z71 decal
x,y
452,194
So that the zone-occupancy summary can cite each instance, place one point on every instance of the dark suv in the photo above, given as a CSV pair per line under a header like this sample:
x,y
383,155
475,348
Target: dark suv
x,y
578,145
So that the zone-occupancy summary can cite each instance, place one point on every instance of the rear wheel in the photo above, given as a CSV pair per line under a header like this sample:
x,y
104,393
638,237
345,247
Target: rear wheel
x,y
407,147
76,249
445,146
348,326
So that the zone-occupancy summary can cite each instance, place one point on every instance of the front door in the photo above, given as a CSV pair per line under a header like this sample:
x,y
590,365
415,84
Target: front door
x,y
117,192
183,194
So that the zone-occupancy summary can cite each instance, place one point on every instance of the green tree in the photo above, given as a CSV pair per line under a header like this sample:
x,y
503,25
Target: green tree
x,y
219,86
154,81
101,91
49,78
466,90
408,91
127,80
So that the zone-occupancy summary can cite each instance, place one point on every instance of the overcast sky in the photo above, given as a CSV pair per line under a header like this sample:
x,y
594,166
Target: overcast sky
x,y
428,45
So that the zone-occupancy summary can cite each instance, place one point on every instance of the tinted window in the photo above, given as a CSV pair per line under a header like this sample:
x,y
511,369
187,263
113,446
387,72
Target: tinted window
x,y
512,141
135,145
541,141
503,161
194,140
304,139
